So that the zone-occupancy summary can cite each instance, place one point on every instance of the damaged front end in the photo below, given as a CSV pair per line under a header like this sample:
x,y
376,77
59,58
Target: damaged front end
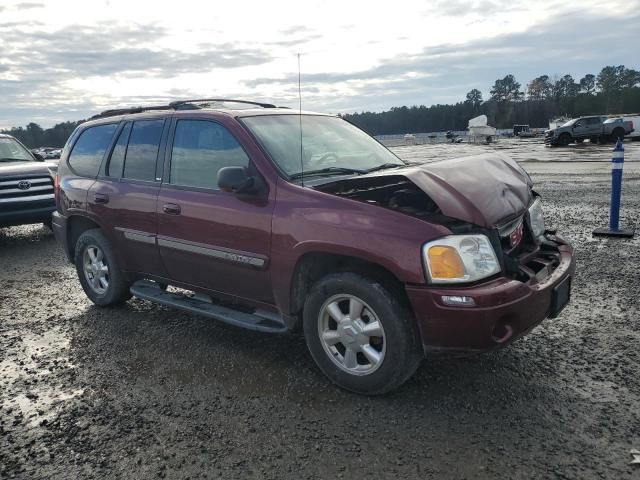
x,y
486,194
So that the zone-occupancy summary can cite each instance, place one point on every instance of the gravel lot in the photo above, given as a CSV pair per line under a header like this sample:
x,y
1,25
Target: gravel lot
x,y
142,391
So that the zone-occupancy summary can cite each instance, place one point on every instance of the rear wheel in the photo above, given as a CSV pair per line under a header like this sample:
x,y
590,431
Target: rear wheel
x,y
360,336
564,140
101,278
618,134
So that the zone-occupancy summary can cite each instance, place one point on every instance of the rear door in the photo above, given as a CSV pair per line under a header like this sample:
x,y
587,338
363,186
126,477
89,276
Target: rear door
x,y
207,237
124,196
594,126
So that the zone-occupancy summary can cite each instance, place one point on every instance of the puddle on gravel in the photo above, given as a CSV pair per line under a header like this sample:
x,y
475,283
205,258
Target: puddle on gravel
x,y
27,376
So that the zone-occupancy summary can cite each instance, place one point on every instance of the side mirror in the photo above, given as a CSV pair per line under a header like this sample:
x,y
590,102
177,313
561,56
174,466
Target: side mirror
x,y
236,180
39,157
577,125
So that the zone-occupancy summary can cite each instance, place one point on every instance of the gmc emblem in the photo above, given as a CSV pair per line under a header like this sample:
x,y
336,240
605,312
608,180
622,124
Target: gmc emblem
x,y
515,237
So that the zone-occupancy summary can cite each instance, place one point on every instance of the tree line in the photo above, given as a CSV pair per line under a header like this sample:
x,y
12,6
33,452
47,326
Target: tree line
x,y
34,136
616,89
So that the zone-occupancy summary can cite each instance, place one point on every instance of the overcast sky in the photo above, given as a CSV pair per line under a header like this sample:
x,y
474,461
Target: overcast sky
x,y
68,59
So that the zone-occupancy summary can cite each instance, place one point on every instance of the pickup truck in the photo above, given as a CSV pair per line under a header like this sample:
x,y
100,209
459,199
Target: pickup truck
x,y
26,185
595,128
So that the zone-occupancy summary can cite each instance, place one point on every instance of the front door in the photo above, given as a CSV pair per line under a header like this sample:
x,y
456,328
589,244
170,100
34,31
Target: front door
x,y
124,197
206,237
581,128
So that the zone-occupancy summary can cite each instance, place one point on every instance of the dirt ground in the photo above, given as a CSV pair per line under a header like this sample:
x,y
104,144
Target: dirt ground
x,y
142,391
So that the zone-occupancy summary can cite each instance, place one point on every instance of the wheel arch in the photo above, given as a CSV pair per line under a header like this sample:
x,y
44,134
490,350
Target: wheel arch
x,y
314,265
76,225
618,132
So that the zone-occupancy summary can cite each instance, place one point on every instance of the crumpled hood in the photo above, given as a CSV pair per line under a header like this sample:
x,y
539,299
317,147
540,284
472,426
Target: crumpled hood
x,y
485,190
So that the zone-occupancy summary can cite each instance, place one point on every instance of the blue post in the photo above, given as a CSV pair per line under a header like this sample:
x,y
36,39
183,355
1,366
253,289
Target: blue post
x,y
616,186
616,190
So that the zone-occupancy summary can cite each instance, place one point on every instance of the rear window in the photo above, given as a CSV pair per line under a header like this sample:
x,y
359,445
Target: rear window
x,y
87,153
142,152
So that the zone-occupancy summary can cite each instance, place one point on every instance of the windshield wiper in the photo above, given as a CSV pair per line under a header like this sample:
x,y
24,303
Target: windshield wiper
x,y
384,166
327,171
10,159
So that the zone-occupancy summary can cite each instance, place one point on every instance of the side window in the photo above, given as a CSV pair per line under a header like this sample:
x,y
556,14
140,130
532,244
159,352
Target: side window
x,y
114,168
142,152
87,153
200,149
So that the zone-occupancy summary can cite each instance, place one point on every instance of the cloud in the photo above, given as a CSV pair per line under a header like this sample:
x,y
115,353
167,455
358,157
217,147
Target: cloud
x,y
38,63
46,70
28,5
292,30
82,52
444,72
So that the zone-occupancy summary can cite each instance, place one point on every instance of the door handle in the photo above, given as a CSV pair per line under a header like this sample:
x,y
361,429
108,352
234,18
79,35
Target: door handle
x,y
171,209
101,198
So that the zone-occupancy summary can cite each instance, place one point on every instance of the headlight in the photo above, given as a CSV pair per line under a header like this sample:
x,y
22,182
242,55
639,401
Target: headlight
x,y
460,258
536,218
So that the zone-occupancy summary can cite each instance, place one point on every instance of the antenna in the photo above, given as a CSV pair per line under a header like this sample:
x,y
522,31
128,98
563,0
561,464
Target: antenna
x,y
300,123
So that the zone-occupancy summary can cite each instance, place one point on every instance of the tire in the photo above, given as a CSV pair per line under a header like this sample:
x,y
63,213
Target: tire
x,y
564,140
395,344
48,223
93,254
618,134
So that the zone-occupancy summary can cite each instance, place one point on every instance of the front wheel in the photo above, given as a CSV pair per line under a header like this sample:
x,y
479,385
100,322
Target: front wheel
x,y
101,278
359,335
564,140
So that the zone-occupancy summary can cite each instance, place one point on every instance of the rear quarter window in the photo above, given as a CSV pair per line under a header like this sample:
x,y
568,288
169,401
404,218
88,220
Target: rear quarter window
x,y
87,153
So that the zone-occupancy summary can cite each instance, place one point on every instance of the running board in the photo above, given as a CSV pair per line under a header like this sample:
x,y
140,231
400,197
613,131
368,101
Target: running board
x,y
260,320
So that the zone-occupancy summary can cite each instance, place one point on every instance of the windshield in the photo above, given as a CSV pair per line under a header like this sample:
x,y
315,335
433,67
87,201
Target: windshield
x,y
570,122
328,143
12,151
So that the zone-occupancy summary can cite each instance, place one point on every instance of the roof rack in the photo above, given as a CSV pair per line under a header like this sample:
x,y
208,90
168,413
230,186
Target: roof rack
x,y
125,111
177,105
184,104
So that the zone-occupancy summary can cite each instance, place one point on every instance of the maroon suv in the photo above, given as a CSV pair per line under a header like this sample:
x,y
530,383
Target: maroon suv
x,y
272,220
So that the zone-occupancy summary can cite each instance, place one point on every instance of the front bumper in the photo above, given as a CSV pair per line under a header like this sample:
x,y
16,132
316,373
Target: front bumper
x,y
505,309
9,218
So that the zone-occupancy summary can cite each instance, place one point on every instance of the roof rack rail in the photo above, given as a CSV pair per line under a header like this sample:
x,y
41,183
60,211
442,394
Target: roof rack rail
x,y
124,111
177,105
184,104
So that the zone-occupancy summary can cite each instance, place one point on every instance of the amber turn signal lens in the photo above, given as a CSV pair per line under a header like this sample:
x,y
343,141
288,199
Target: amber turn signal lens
x,y
445,262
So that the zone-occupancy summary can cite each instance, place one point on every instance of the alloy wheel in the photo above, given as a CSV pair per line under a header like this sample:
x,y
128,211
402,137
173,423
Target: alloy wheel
x,y
351,334
96,269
